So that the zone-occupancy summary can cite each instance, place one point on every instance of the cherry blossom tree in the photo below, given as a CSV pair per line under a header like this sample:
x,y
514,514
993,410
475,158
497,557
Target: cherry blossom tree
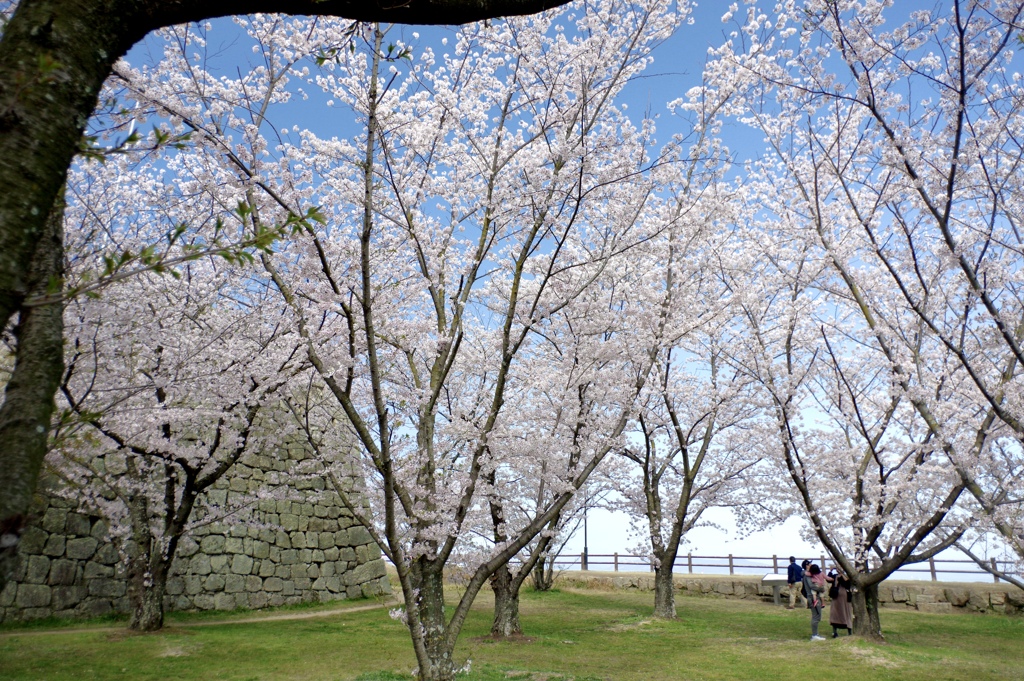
x,y
166,386
908,134
54,58
492,194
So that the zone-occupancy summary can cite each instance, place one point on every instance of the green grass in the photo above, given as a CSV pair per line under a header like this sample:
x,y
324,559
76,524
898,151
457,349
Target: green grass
x,y
577,636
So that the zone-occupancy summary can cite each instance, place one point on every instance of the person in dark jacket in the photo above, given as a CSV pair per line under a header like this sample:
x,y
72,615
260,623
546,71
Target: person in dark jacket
x,y
795,579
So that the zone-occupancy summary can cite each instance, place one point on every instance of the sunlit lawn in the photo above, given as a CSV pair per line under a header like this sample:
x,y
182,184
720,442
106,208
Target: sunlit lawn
x,y
580,635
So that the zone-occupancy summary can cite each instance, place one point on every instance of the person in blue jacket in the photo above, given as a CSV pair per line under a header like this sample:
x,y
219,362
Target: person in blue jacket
x,y
795,579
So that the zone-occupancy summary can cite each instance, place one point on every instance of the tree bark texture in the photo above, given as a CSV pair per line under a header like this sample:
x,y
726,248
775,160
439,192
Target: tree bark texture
x,y
866,622
506,603
54,58
431,641
664,591
28,397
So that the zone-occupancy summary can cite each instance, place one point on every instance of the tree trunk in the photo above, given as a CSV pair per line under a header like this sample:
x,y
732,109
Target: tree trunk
x,y
865,612
430,639
28,397
664,592
506,603
543,574
147,588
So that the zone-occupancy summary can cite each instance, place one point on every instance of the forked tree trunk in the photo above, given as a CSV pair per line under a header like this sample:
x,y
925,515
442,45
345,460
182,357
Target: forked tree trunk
x,y
866,622
664,591
543,574
506,603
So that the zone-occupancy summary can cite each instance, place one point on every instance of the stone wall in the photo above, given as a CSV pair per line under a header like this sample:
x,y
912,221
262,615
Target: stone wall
x,y
975,597
307,548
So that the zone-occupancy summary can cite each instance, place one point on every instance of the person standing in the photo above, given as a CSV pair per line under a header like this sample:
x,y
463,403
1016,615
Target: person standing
x,y
840,614
795,580
814,587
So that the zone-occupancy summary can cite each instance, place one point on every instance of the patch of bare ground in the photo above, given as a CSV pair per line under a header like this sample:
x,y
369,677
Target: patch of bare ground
x,y
513,675
631,625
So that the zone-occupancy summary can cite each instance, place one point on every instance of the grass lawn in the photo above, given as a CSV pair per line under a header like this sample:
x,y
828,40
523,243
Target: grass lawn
x,y
583,636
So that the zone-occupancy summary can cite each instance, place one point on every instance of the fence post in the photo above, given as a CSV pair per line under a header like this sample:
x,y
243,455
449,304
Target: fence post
x,y
995,566
616,561
823,563
689,562
775,563
583,561
730,564
931,566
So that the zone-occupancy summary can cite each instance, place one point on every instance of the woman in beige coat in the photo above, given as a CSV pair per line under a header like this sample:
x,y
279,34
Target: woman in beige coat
x,y
840,614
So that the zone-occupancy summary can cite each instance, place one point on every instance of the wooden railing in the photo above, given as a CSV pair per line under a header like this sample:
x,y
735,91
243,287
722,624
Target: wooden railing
x,y
690,563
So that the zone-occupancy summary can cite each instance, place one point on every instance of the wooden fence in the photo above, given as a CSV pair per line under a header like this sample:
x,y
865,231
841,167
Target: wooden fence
x,y
760,564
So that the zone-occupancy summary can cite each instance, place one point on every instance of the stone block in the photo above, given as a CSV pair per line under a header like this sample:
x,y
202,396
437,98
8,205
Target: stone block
x,y
106,554
346,554
97,607
282,540
187,547
318,556
8,593
258,599
253,583
313,571
107,588
923,599
927,606
241,564
193,584
288,588
1015,598
32,596
289,557
957,596
78,525
82,548
332,554
305,556
357,535
234,545
54,520
32,541
267,569
200,564
899,594
273,584
283,571
219,564
100,530
978,601
212,544
234,584
260,549
94,570
62,572
289,522
214,582
37,567
997,597
175,586
54,546
298,540
204,601
64,597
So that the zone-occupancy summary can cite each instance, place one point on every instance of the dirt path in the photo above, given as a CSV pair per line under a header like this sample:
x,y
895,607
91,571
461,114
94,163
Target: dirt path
x,y
279,617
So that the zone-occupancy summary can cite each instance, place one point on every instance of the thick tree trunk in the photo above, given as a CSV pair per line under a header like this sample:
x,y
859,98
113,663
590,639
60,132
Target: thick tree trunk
x,y
866,622
506,603
146,588
430,639
664,592
28,397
